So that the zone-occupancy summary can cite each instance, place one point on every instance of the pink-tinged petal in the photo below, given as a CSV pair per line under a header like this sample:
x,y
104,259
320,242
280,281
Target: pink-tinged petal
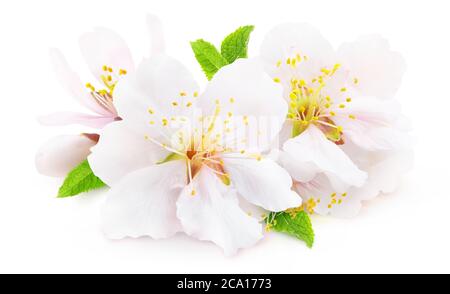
x,y
143,202
262,182
312,146
58,156
105,47
157,43
121,151
213,214
379,70
68,118
374,124
73,84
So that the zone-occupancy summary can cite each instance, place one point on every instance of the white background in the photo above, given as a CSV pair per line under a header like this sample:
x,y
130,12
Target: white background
x,y
408,231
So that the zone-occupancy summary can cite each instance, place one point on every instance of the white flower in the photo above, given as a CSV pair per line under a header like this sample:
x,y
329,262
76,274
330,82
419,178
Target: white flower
x,y
179,161
336,99
109,59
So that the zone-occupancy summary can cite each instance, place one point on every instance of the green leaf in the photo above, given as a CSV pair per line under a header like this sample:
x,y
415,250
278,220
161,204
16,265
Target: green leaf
x,y
208,56
235,45
295,223
80,179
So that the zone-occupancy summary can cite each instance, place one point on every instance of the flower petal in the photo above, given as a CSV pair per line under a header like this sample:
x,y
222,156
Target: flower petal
x,y
120,151
245,93
213,214
374,125
72,82
299,170
384,172
384,168
378,69
320,197
58,156
289,39
312,146
385,175
105,47
68,118
143,202
262,182
157,42
148,94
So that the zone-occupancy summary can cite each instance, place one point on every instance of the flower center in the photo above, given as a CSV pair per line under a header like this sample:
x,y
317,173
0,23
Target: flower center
x,y
208,160
308,104
104,95
200,141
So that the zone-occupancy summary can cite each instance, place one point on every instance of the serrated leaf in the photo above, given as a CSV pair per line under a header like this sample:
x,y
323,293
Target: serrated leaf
x,y
235,45
295,223
80,179
208,56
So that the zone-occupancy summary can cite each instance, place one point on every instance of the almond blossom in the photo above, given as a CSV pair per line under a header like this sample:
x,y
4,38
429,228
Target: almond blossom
x,y
109,59
183,161
343,129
